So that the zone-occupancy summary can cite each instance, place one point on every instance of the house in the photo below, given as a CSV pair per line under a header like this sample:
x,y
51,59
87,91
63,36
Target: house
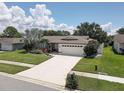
x,y
11,43
119,43
70,45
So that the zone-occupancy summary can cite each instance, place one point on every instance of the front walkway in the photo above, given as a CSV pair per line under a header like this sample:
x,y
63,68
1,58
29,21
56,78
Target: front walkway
x,y
53,70
98,76
16,63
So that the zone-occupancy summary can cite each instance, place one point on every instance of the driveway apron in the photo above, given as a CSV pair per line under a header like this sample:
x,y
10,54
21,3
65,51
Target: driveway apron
x,y
53,70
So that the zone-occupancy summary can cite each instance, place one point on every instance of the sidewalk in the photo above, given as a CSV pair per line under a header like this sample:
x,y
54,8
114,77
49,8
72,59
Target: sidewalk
x,y
98,76
16,63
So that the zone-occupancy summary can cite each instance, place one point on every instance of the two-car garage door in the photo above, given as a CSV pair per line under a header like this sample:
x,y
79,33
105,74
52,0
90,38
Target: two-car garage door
x,y
71,49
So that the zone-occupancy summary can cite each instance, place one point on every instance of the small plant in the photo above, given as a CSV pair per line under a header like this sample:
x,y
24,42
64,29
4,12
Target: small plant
x,y
72,82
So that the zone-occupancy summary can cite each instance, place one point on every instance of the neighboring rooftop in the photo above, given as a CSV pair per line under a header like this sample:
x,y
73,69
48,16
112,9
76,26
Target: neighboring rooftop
x,y
119,38
68,39
11,40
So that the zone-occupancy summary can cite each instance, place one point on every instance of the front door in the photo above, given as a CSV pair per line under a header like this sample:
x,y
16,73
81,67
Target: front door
x,y
54,47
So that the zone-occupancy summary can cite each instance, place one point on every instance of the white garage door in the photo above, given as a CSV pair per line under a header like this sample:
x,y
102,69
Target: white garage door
x,y
71,49
5,46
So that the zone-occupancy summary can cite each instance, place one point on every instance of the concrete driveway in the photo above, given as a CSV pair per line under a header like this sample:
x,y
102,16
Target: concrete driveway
x,y
53,70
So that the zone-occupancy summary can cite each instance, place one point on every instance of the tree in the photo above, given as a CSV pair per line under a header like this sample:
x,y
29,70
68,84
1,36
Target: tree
x,y
120,31
91,48
55,33
65,33
109,40
72,81
11,32
34,40
92,30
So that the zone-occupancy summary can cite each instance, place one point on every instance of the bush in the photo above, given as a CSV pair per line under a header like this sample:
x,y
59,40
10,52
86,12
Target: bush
x,y
72,82
36,51
91,48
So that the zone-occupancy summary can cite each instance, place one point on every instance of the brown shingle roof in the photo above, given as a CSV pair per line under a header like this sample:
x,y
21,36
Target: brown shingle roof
x,y
68,39
119,38
11,40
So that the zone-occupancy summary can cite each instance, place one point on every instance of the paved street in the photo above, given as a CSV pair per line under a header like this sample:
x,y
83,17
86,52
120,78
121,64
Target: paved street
x,y
11,84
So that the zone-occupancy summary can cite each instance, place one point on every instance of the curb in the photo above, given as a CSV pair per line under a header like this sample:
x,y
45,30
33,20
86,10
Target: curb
x,y
39,82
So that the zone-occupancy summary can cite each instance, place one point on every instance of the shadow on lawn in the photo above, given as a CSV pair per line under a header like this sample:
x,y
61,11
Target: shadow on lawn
x,y
22,52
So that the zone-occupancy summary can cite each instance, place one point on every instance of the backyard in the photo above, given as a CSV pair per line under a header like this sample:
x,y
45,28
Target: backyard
x,y
109,63
21,56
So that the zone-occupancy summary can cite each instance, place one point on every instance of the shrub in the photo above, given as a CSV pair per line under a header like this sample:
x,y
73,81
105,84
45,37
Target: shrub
x,y
91,48
36,51
28,46
72,82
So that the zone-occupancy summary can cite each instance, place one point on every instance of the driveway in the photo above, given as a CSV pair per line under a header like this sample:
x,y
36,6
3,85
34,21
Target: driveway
x,y
53,70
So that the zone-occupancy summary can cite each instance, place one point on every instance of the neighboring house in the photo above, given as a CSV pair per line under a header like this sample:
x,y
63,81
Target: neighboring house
x,y
71,45
11,43
119,43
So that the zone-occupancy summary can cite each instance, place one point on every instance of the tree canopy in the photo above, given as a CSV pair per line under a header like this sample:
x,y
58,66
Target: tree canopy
x,y
120,31
11,32
92,30
55,33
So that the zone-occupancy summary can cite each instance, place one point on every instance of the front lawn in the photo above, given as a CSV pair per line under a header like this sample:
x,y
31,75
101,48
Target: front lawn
x,y
21,56
90,84
11,69
110,63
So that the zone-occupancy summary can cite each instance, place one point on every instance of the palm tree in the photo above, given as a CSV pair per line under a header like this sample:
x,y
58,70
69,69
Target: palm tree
x,y
34,39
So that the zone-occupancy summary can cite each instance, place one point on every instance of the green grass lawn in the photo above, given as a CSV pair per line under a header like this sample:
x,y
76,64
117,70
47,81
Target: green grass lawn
x,y
21,56
90,84
11,69
110,63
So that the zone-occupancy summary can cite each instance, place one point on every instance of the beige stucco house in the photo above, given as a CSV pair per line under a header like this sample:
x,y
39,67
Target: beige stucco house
x,y
70,45
119,43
